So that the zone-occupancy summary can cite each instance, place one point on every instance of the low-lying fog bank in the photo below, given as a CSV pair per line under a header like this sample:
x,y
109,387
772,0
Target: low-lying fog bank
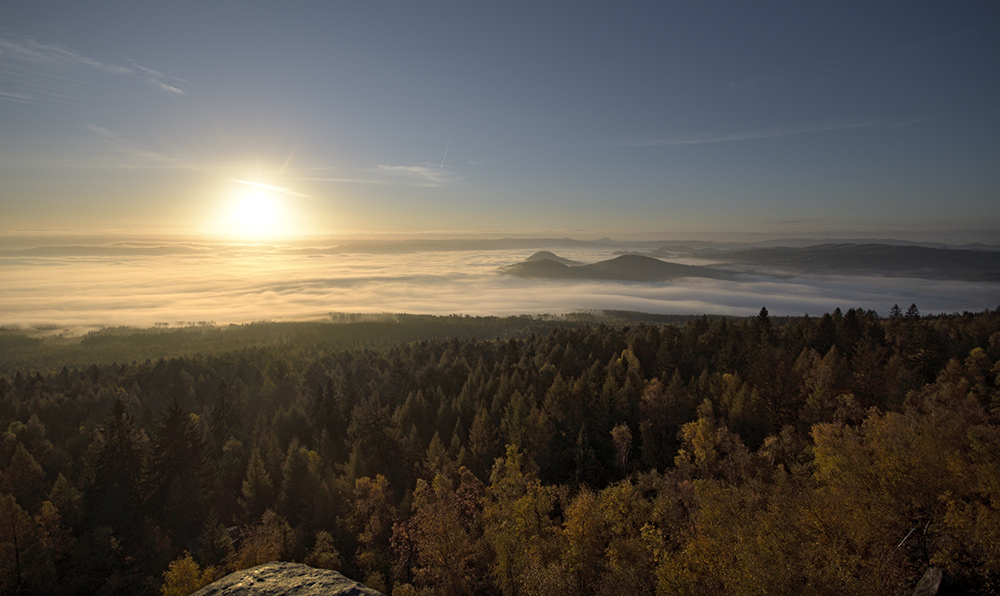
x,y
145,286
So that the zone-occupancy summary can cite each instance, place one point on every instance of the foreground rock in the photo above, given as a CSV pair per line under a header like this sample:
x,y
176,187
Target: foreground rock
x,y
285,579
937,582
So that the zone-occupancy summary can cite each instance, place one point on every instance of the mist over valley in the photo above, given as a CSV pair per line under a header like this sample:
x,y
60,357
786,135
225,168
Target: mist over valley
x,y
111,282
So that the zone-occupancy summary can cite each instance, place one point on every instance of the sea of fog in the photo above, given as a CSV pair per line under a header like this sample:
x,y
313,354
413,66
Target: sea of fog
x,y
145,285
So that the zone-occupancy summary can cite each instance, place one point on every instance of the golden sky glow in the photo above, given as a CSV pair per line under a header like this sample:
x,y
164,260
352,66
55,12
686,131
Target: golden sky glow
x,y
665,120
249,211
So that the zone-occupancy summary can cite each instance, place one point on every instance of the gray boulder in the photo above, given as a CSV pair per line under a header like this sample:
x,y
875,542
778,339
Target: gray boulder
x,y
937,582
285,579
930,583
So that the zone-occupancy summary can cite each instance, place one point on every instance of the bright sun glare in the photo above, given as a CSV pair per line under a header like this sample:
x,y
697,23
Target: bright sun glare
x,y
256,214
255,211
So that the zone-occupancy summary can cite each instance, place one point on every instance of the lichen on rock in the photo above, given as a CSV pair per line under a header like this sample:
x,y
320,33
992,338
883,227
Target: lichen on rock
x,y
285,579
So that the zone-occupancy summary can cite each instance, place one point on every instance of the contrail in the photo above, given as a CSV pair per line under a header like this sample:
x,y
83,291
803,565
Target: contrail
x,y
448,144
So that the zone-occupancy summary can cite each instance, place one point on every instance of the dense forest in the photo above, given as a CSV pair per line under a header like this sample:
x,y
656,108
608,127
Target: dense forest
x,y
842,454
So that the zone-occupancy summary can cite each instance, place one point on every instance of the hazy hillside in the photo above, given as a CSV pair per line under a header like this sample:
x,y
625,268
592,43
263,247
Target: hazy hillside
x,y
46,350
887,260
630,267
544,255
642,268
871,259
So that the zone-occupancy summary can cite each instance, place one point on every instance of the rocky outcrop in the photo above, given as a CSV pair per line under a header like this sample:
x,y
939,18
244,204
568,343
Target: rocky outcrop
x,y
930,583
285,579
937,582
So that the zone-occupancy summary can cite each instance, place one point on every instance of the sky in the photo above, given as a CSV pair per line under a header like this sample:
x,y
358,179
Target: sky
x,y
581,119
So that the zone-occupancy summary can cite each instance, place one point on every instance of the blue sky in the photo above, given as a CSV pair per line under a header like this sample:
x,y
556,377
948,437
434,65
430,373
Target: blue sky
x,y
659,120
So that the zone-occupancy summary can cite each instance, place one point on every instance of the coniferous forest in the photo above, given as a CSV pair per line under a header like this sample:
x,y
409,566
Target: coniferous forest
x,y
842,454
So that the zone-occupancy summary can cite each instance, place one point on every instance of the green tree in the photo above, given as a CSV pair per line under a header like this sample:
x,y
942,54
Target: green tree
x,y
324,554
257,494
301,486
484,447
24,478
215,546
177,478
375,440
115,496
15,524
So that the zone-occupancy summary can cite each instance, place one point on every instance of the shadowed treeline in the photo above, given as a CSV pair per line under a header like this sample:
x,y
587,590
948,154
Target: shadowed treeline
x,y
51,349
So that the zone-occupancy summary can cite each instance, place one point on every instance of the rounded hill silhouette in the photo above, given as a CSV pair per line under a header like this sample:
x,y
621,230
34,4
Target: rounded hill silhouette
x,y
630,267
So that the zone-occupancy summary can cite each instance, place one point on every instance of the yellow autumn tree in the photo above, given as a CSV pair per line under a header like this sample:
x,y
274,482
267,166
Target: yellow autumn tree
x,y
519,529
185,576
442,539
262,542
375,515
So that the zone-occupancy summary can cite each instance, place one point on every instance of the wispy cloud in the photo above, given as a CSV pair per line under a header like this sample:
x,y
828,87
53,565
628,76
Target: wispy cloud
x,y
424,174
157,79
419,175
911,122
16,96
35,68
278,189
710,138
343,179
125,147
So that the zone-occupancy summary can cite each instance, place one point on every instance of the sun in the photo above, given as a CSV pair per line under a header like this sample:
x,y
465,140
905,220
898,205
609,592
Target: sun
x,y
256,214
254,211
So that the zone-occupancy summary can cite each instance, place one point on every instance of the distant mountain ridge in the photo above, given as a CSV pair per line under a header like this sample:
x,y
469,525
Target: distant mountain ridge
x,y
629,267
546,255
872,259
111,246
886,260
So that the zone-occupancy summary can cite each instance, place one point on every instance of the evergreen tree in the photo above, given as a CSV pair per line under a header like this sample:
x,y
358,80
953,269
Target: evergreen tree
x,y
115,496
177,478
257,494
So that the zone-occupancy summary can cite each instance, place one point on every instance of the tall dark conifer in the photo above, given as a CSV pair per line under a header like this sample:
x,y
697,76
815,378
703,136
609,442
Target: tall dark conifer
x,y
118,472
177,475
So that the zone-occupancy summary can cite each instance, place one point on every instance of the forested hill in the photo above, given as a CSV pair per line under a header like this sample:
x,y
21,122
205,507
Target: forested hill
x,y
834,455
51,350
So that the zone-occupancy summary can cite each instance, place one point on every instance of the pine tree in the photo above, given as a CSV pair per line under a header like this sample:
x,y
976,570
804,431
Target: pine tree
x,y
115,496
257,494
177,481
